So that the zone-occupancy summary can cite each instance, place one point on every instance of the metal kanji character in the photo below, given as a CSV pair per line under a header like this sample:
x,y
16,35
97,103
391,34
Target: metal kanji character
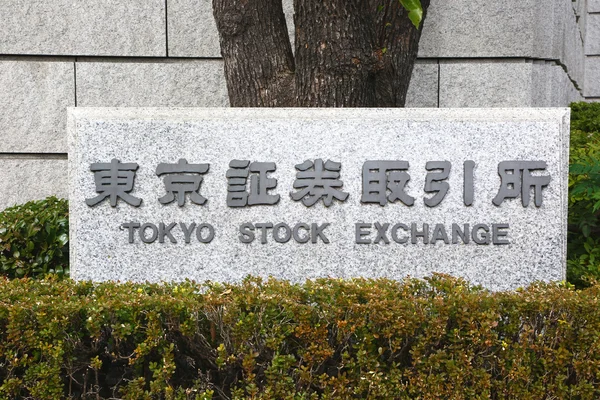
x,y
468,188
520,181
114,180
318,180
237,178
380,176
179,182
433,181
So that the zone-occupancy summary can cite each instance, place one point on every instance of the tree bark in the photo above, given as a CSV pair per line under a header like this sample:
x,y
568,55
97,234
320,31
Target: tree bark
x,y
348,53
259,64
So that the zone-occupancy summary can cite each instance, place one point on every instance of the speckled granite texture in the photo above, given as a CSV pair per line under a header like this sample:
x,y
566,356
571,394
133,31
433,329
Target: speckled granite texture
x,y
134,28
25,179
100,249
34,100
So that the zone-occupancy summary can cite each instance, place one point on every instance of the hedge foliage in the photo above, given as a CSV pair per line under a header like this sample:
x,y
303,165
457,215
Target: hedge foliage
x,y
584,194
327,339
34,239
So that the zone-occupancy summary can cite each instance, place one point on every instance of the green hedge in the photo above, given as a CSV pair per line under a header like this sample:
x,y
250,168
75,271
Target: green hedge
x,y
584,195
34,239
329,339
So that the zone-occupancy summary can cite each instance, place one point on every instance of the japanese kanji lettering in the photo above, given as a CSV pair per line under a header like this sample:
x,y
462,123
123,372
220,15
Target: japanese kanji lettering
x,y
468,188
383,181
179,181
433,182
520,181
260,184
380,176
114,180
318,180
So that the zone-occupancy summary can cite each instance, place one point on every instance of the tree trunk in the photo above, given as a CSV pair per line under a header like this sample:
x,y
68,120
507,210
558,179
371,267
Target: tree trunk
x,y
348,53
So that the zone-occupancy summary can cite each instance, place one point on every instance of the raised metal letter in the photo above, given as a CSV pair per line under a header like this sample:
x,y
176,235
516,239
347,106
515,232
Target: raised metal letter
x,y
179,182
320,183
433,182
520,181
260,184
380,176
114,180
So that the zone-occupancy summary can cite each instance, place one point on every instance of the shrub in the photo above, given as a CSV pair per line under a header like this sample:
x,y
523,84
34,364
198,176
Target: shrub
x,y
584,194
34,239
328,339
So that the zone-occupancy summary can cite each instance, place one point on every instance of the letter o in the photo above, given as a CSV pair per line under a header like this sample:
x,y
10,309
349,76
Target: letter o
x,y
143,233
287,235
211,233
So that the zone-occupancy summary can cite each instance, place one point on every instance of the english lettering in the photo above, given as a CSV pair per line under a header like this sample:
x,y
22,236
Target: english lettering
x,y
481,234
283,233
149,232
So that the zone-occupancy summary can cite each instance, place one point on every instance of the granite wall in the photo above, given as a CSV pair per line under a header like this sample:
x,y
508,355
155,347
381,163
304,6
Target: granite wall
x,y
56,54
591,86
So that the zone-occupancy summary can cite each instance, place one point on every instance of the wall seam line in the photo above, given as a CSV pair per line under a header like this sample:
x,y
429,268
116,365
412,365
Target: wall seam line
x,y
438,82
166,29
33,156
75,79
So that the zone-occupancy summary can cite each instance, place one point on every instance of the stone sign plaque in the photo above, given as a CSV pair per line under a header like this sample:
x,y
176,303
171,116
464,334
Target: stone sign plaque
x,y
218,194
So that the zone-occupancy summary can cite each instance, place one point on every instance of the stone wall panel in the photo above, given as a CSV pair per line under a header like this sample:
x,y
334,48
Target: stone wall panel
x,y
490,83
592,77
484,28
592,45
26,179
34,100
423,89
83,27
593,6
151,84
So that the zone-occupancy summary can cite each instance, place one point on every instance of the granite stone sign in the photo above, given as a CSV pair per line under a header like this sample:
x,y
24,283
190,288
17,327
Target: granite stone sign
x,y
218,194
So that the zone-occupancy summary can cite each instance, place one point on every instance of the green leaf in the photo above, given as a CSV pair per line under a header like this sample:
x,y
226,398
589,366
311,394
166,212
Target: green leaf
x,y
33,236
63,238
415,11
